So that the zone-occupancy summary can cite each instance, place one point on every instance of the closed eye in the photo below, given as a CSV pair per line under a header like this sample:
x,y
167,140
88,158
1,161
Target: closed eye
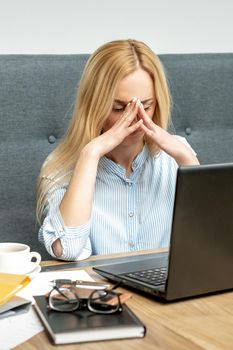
x,y
147,108
118,108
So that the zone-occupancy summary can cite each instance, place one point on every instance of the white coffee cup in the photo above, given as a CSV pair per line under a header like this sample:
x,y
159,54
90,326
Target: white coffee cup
x,y
17,258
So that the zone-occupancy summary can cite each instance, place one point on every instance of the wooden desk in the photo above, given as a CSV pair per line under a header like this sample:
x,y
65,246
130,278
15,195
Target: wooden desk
x,y
195,324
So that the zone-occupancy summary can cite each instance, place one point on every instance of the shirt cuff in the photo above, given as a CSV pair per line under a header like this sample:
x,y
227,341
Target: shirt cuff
x,y
70,251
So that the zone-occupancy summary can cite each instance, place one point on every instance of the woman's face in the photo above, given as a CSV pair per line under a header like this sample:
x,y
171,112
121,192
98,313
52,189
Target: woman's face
x,y
137,84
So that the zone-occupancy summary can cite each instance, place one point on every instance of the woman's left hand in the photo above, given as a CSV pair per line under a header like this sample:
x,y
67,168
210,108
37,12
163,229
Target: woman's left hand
x,y
167,142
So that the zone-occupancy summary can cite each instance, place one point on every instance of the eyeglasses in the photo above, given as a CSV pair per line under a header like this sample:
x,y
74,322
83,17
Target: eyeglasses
x,y
65,298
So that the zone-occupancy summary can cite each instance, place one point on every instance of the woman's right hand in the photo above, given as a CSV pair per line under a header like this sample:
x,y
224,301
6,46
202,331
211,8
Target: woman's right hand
x,y
124,126
76,205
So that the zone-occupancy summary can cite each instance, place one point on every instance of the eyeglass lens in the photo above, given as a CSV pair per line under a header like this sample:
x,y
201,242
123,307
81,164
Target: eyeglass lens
x,y
63,299
104,301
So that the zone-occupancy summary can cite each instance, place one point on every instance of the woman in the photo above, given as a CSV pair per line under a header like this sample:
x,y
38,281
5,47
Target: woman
x,y
109,186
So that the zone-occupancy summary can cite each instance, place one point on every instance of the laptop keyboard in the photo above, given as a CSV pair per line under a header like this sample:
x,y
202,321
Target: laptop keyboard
x,y
155,276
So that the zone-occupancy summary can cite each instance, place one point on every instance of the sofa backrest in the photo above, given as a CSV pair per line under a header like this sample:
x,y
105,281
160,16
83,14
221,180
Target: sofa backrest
x,y
37,94
202,90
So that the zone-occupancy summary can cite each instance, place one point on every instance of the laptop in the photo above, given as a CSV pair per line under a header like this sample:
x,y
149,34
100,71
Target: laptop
x,y
200,256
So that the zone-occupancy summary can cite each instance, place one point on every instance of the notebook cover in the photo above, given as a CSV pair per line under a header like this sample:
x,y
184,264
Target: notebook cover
x,y
10,284
84,326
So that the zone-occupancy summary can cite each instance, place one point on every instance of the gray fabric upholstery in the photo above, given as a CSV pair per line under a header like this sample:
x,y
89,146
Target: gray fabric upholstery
x,y
37,93
202,90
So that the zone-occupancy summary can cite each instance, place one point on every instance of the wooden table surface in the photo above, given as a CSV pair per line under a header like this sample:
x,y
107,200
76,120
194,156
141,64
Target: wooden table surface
x,y
194,324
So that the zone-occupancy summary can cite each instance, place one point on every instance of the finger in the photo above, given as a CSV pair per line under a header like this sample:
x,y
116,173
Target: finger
x,y
130,105
132,112
135,126
147,131
124,115
142,114
128,110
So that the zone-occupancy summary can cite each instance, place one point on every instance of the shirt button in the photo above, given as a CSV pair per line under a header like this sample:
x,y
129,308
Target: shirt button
x,y
131,244
129,183
131,214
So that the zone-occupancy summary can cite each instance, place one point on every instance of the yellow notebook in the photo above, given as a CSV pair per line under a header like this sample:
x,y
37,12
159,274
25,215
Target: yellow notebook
x,y
10,284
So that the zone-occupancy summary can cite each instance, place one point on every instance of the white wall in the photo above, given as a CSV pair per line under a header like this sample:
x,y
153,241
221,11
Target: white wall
x,y
74,26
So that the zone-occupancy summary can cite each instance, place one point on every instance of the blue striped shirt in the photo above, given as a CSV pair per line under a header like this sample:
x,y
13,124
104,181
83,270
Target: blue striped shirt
x,y
128,213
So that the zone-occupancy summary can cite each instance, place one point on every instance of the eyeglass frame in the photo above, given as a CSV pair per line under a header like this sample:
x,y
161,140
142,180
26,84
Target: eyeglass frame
x,y
80,301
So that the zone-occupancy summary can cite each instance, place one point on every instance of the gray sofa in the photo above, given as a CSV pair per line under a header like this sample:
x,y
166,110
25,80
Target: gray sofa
x,y
36,100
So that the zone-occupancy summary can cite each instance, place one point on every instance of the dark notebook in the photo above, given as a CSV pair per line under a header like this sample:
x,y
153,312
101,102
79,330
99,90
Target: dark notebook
x,y
84,326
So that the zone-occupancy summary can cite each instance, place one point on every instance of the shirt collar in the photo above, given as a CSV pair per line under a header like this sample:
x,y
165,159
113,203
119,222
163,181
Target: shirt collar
x,y
110,166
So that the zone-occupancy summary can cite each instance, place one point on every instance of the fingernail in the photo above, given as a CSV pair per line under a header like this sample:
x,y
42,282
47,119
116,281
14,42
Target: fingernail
x,y
134,99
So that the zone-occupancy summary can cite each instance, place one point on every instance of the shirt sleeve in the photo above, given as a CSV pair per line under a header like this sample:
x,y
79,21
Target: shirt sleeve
x,y
74,240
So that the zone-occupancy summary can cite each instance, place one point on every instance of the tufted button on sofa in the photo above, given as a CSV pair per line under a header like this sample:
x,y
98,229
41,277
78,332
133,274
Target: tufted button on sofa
x,y
52,139
188,131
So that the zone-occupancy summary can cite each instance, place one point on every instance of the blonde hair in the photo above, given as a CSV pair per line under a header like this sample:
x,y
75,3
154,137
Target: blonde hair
x,y
105,68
